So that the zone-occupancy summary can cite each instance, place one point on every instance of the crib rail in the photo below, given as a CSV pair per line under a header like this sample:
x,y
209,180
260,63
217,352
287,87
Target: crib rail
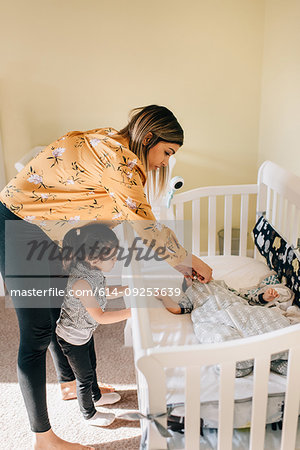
x,y
214,215
277,197
260,348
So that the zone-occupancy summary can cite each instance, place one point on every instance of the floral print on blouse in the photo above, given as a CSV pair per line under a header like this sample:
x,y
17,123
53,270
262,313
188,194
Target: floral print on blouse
x,y
86,176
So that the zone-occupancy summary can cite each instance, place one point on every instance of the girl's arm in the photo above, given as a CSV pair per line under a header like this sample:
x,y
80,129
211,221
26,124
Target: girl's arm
x,y
116,291
81,288
169,304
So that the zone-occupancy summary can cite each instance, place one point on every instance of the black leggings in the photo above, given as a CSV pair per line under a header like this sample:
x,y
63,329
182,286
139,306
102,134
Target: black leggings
x,y
82,359
37,314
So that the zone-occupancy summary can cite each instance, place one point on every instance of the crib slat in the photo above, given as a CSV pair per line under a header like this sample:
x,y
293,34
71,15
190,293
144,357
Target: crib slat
x,y
212,225
286,222
292,398
180,222
280,215
179,211
268,211
226,406
192,408
295,227
290,214
196,226
227,225
274,209
244,224
259,403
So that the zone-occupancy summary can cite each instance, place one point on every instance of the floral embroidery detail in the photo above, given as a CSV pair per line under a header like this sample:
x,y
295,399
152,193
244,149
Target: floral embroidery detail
x,y
29,218
77,168
56,152
105,161
35,178
16,208
71,180
128,178
80,142
117,216
131,164
93,205
94,142
43,197
155,226
10,190
74,219
130,203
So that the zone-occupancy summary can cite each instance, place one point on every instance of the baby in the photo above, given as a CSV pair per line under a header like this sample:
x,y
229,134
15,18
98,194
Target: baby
x,y
220,314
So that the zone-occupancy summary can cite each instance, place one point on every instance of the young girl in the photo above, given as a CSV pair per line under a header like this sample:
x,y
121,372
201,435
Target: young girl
x,y
220,314
87,252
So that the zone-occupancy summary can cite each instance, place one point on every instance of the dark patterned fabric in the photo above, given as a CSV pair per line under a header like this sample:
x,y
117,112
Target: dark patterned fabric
x,y
280,256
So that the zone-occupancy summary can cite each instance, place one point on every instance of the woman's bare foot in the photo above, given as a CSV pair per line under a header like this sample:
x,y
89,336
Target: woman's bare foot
x,y
68,389
49,441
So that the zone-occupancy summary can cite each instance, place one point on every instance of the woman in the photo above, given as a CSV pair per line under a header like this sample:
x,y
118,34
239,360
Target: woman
x,y
94,175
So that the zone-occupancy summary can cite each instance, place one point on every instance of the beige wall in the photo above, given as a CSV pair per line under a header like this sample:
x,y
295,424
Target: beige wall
x,y
280,111
79,64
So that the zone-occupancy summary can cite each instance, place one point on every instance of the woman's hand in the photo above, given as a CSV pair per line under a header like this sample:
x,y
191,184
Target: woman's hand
x,y
193,267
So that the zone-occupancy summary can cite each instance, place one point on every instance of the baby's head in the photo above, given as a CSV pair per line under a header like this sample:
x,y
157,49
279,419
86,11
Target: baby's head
x,y
94,244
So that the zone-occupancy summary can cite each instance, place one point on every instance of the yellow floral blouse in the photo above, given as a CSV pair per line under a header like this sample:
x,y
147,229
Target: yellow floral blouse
x,y
85,176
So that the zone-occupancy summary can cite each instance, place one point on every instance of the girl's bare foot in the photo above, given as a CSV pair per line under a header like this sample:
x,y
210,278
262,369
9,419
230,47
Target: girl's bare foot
x,y
68,389
49,441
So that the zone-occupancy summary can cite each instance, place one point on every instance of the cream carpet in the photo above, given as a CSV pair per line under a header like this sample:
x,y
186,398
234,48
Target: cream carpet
x,y
115,366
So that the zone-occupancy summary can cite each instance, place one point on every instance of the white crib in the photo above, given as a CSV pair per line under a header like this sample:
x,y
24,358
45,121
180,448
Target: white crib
x,y
277,195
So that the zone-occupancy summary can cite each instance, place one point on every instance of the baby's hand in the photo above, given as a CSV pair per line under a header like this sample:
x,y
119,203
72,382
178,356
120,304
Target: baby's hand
x,y
270,294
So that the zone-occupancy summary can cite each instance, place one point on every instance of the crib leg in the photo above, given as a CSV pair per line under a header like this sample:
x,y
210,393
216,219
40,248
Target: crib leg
x,y
128,334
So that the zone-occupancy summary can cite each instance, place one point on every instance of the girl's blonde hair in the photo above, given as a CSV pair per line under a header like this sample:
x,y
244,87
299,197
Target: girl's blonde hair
x,y
163,125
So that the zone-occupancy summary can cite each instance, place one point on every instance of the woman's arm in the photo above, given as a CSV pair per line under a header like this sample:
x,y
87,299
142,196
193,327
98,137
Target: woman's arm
x,y
91,305
122,179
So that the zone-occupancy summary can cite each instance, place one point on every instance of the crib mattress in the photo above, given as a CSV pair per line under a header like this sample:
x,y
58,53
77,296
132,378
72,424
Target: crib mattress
x,y
173,330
